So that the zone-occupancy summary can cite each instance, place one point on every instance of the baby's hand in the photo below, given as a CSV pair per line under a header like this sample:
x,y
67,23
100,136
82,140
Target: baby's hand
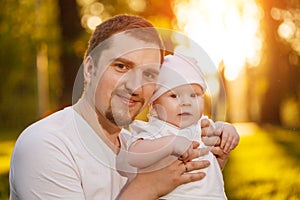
x,y
187,150
193,152
182,148
187,155
211,141
210,135
229,136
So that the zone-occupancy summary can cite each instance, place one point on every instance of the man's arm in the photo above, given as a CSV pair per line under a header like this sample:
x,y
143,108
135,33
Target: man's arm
x,y
221,156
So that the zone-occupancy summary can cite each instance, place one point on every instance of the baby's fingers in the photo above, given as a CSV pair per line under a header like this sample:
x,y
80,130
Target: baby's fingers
x,y
231,143
211,141
184,157
199,152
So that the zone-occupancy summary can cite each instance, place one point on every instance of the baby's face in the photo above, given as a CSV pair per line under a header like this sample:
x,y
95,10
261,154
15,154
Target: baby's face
x,y
181,106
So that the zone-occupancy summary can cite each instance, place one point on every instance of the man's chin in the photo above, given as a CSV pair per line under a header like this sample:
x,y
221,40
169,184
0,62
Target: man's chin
x,y
119,120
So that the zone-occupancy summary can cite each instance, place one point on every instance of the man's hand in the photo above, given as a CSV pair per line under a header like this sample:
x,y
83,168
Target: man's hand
x,y
221,156
154,184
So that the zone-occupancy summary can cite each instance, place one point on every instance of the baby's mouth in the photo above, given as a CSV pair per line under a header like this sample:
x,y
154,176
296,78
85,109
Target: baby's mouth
x,y
184,114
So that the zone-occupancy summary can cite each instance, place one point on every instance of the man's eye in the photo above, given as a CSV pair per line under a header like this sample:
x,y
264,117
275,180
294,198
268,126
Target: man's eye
x,y
121,67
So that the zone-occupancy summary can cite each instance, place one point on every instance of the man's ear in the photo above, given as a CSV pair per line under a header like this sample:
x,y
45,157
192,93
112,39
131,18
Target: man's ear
x,y
88,69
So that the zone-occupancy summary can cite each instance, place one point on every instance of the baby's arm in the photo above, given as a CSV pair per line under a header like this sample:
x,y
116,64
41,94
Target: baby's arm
x,y
146,152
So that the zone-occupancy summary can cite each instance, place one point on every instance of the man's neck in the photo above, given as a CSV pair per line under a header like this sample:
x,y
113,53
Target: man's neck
x,y
107,131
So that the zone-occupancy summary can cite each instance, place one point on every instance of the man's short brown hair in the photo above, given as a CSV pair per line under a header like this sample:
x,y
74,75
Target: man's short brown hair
x,y
123,23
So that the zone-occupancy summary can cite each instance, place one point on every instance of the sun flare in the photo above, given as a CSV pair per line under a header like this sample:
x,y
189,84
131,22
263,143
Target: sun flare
x,y
227,30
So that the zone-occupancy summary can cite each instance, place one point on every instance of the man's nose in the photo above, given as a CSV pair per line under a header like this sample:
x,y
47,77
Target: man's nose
x,y
134,81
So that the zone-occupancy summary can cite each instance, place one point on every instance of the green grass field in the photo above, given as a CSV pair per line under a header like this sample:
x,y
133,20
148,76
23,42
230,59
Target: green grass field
x,y
264,166
7,141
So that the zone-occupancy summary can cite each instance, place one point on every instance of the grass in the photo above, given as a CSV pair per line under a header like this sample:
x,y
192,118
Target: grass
x,y
7,141
264,166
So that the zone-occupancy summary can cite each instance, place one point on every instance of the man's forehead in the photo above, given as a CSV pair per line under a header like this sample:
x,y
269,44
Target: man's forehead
x,y
125,43
132,54
124,47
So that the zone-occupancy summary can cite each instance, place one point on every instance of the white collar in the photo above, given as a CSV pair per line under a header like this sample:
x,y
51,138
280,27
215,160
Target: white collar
x,y
192,132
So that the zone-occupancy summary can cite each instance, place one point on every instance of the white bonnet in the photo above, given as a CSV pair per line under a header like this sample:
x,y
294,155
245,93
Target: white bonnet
x,y
178,70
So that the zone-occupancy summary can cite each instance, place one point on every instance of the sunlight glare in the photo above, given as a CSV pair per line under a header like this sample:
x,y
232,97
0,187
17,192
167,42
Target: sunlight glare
x,y
93,22
96,8
213,85
84,2
287,29
137,5
227,30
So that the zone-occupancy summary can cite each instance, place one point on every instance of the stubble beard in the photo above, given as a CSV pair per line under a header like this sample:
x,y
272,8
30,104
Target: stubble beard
x,y
117,118
119,114
120,117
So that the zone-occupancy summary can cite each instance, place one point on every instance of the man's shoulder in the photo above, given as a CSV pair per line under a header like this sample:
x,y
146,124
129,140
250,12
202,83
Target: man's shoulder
x,y
49,127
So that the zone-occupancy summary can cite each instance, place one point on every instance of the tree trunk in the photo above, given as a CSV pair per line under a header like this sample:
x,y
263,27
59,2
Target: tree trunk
x,y
276,68
70,62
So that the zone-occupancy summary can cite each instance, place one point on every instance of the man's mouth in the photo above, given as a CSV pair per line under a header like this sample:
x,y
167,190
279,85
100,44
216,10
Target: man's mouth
x,y
128,99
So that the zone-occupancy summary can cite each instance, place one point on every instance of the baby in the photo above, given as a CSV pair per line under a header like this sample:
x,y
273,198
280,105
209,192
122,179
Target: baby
x,y
176,110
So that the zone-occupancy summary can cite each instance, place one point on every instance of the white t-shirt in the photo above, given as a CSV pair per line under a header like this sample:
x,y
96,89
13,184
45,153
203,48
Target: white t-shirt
x,y
209,188
61,157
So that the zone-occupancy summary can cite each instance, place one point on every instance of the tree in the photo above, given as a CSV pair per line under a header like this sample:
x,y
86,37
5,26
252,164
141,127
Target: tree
x,y
70,59
25,27
282,78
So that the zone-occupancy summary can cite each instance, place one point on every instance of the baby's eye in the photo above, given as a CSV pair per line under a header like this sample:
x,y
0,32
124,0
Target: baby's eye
x,y
150,76
195,94
173,95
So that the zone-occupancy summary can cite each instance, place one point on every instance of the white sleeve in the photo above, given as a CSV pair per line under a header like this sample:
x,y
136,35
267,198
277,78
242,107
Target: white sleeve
x,y
141,130
42,167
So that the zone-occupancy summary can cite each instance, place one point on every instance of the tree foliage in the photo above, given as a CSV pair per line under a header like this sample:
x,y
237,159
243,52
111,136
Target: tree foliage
x,y
58,29
24,26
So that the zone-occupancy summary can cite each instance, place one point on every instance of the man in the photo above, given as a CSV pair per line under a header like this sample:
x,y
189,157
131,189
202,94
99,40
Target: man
x,y
71,154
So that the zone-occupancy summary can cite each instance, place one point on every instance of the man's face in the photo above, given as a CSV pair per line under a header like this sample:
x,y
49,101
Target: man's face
x,y
127,81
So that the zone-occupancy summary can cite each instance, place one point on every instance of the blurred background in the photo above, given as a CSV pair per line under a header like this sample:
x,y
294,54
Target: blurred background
x,y
255,45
